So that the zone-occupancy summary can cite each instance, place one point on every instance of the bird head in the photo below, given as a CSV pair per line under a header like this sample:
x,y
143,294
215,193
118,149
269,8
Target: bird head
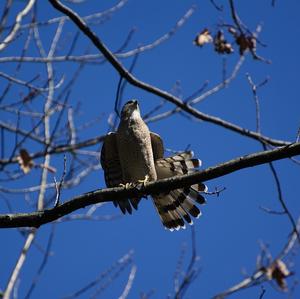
x,y
130,109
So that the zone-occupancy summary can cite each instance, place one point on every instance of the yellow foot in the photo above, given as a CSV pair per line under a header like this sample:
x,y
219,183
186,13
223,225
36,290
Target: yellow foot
x,y
145,180
138,184
142,183
127,185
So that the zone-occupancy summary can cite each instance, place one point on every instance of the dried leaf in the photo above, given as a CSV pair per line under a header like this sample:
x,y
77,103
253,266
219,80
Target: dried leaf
x,y
25,161
246,43
203,38
221,45
278,271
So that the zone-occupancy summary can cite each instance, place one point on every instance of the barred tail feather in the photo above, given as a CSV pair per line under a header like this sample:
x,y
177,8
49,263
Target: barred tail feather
x,y
186,202
169,214
178,205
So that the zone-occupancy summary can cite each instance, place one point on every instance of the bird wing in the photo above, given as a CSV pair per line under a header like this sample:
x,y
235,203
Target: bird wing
x,y
111,165
110,161
157,146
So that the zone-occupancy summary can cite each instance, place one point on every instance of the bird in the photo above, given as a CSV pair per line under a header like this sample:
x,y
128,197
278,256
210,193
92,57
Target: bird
x,y
133,154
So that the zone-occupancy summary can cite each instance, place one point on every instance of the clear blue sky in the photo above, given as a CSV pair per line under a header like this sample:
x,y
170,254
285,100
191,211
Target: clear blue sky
x,y
229,231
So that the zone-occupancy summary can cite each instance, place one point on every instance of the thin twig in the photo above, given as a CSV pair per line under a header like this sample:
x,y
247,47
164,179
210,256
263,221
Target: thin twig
x,y
117,266
221,85
191,273
59,186
129,283
5,13
27,84
89,18
281,200
96,57
263,291
254,88
43,264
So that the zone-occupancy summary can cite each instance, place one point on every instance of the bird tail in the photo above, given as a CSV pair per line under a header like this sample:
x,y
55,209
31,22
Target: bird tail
x,y
177,206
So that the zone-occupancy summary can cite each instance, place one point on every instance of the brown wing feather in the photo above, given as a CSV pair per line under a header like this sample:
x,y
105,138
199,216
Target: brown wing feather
x,y
157,146
113,172
110,161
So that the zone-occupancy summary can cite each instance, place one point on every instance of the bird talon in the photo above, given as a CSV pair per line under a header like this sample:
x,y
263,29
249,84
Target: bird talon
x,y
144,181
127,185
140,184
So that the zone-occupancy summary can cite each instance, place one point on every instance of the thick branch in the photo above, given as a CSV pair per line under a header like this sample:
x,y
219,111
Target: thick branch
x,y
39,218
124,73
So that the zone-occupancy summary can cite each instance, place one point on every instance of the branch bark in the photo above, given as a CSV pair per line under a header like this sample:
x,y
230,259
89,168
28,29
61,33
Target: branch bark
x,y
39,218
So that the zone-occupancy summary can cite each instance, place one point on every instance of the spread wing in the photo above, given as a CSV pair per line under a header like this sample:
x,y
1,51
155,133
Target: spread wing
x,y
111,165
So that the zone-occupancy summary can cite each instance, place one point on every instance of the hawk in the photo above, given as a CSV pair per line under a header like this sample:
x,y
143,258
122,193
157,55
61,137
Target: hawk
x,y
134,154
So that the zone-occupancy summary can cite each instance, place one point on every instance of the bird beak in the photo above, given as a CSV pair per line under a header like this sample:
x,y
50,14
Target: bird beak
x,y
135,104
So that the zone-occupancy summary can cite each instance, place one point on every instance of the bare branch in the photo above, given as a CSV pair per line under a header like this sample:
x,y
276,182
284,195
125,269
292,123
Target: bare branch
x,y
58,186
43,264
19,265
5,13
39,218
152,89
89,18
108,274
221,85
17,25
14,129
129,282
254,88
191,272
99,57
58,149
259,275
27,84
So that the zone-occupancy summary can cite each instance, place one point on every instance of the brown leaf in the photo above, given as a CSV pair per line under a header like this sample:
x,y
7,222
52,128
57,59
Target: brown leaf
x,y
246,43
278,271
203,38
221,45
25,160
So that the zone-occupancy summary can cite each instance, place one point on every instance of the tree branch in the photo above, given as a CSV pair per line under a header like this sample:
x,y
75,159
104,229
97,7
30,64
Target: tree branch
x,y
17,25
123,72
39,218
59,149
